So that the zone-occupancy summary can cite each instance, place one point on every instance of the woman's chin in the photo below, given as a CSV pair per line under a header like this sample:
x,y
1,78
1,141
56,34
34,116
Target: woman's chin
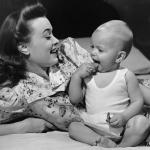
x,y
56,62
53,62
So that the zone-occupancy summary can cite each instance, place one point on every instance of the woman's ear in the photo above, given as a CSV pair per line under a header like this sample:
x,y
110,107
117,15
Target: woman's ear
x,y
121,56
22,47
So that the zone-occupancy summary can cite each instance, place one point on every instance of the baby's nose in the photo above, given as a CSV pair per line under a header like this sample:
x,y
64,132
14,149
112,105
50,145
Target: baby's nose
x,y
94,51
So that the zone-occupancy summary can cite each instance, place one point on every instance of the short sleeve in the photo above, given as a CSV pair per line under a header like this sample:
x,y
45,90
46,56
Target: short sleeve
x,y
12,105
11,100
75,52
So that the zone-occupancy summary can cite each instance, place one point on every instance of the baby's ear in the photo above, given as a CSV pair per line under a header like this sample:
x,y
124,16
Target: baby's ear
x,y
22,47
121,56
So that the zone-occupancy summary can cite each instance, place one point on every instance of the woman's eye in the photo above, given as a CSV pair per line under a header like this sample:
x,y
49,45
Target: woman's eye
x,y
48,37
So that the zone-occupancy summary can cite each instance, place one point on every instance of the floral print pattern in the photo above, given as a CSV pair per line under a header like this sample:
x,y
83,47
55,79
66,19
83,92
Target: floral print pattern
x,y
18,101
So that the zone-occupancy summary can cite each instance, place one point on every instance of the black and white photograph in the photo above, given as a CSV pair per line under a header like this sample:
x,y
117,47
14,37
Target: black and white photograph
x,y
74,74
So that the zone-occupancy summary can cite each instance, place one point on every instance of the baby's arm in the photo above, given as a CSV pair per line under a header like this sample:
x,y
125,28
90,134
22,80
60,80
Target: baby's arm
x,y
75,89
136,102
135,95
76,93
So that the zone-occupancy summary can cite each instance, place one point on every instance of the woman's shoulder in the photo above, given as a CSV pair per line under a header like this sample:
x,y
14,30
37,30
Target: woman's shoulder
x,y
30,89
10,99
14,100
8,92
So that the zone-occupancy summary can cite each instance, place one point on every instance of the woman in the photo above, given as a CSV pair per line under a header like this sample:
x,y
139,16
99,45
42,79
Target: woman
x,y
28,52
34,73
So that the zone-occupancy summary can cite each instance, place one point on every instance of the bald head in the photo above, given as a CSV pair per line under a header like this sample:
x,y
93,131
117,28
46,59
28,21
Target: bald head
x,y
119,31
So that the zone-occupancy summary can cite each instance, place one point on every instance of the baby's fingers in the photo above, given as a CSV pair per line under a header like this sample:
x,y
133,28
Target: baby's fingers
x,y
113,120
92,68
114,124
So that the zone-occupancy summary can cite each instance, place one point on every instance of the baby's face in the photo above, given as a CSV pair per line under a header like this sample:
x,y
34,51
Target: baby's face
x,y
105,49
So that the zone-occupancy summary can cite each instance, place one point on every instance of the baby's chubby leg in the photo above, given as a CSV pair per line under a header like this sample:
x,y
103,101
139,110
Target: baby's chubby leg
x,y
78,131
137,129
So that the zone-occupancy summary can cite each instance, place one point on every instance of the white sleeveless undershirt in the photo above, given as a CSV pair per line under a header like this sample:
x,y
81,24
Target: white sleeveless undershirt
x,y
99,101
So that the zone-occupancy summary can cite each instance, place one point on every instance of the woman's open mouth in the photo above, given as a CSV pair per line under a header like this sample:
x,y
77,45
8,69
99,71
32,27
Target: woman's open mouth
x,y
53,50
58,51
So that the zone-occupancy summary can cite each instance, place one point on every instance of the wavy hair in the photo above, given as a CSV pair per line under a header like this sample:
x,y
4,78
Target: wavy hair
x,y
13,31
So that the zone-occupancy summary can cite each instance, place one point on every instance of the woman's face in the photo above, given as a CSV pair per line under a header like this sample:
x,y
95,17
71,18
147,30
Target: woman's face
x,y
42,42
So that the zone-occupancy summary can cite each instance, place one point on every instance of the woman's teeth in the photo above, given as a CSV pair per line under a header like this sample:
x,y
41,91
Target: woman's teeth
x,y
54,50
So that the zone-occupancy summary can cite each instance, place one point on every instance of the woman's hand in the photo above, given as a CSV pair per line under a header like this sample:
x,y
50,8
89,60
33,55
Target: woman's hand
x,y
35,125
29,125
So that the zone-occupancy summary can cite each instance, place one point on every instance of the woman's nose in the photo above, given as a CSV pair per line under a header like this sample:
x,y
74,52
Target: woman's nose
x,y
55,40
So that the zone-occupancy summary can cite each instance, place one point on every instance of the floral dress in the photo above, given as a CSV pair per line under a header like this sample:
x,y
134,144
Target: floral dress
x,y
15,102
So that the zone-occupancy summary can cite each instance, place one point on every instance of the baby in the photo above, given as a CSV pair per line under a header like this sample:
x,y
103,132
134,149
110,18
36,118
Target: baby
x,y
112,95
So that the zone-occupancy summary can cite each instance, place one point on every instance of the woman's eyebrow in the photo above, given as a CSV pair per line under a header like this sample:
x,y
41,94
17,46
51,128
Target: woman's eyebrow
x,y
48,30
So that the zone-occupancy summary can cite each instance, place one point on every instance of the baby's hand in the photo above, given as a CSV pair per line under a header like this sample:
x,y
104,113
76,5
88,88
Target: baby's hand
x,y
117,120
86,70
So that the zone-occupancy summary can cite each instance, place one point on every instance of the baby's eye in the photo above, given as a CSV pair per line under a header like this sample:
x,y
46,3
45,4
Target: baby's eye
x,y
92,46
100,50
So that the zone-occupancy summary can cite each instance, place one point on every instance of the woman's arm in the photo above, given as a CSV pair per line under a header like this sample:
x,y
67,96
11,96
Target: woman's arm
x,y
29,125
58,114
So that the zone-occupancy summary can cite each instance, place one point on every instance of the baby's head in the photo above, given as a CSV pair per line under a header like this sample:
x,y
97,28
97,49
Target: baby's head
x,y
112,42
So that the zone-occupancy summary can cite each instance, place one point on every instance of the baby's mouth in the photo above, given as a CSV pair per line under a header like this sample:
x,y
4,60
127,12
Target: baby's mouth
x,y
96,61
97,64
